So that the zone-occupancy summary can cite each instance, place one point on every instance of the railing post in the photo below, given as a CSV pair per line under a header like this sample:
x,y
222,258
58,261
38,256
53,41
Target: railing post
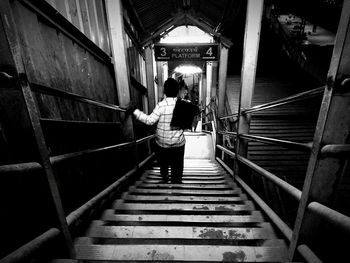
x,y
324,173
250,56
46,163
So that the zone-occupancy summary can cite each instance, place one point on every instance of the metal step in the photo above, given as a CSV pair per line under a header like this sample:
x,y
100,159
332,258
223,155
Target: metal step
x,y
207,218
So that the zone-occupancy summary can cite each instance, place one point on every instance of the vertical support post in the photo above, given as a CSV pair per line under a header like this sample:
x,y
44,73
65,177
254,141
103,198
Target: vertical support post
x,y
160,79
45,161
209,75
116,27
222,79
200,90
115,21
150,78
214,85
324,172
250,57
165,71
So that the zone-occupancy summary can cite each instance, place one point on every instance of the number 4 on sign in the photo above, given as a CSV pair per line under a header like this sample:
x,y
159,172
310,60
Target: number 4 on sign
x,y
209,52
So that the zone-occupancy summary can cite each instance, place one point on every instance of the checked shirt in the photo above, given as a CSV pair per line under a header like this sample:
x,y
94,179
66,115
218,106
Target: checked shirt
x,y
166,136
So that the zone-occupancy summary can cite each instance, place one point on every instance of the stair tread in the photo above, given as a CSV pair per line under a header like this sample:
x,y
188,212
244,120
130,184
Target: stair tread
x,y
180,252
151,184
184,191
180,232
185,198
206,218
187,181
192,207
255,217
189,177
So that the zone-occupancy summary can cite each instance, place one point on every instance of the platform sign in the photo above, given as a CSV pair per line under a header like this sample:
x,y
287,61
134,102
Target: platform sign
x,y
166,52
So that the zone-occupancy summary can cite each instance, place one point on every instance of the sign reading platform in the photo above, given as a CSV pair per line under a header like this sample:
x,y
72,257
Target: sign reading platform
x,y
165,52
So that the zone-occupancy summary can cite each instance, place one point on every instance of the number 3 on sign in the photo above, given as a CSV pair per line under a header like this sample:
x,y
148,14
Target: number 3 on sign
x,y
209,52
163,51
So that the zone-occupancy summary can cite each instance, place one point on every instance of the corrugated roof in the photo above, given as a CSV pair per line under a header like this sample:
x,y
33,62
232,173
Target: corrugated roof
x,y
215,15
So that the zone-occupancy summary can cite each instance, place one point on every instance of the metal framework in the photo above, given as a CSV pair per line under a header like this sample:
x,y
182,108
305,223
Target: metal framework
x,y
326,152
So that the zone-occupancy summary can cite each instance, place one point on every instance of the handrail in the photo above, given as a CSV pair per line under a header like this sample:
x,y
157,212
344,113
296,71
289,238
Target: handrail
x,y
78,213
64,157
34,166
291,190
276,103
283,227
308,254
331,216
227,133
303,249
226,151
72,96
149,137
28,249
283,143
293,98
20,167
336,149
268,140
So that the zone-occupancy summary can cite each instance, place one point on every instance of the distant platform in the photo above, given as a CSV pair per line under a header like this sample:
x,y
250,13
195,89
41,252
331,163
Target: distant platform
x,y
313,36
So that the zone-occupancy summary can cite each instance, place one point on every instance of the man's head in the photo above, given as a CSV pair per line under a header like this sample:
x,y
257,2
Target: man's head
x,y
171,87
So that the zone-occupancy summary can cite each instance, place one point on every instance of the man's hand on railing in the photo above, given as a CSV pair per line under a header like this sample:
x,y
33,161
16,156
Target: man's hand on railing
x,y
130,108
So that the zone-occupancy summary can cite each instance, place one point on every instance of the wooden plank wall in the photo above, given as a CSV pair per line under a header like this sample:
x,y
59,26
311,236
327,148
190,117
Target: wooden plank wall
x,y
89,16
53,59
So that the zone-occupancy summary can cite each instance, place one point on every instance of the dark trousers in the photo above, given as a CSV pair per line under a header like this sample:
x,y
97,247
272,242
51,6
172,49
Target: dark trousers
x,y
173,157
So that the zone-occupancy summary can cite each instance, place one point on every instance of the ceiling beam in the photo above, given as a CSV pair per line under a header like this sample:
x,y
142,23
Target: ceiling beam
x,y
209,29
170,22
185,19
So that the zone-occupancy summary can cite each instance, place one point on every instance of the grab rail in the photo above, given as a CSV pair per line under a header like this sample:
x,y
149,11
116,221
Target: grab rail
x,y
290,99
72,96
28,249
291,190
283,143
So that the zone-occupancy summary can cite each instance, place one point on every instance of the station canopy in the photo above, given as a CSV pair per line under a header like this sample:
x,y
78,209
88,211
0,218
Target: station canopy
x,y
155,18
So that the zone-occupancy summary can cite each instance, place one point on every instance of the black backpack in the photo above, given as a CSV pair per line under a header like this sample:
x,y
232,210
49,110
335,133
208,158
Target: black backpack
x,y
183,114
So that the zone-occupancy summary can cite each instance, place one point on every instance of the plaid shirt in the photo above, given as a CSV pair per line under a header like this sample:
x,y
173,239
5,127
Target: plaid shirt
x,y
166,136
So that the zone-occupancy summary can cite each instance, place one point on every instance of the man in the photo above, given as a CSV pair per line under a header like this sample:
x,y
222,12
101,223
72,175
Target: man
x,y
170,141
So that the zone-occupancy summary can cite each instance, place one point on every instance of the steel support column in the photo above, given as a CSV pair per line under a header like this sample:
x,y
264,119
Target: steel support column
x,y
222,79
249,63
117,33
150,78
160,78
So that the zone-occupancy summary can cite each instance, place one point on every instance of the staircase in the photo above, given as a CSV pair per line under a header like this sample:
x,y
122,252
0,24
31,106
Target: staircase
x,y
206,219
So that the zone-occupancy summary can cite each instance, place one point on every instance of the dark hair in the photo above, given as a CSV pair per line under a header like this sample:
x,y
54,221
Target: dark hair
x,y
171,87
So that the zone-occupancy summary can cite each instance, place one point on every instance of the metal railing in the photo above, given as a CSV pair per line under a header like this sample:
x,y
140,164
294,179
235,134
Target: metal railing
x,y
331,216
74,218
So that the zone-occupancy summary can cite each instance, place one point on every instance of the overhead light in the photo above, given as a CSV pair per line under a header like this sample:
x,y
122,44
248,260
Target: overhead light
x,y
188,69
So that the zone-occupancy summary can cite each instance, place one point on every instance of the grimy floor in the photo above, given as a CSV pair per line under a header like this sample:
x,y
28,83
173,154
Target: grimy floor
x,y
207,218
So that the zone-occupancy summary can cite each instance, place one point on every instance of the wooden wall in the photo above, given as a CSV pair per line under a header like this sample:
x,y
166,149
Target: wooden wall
x,y
52,58
89,16
60,55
